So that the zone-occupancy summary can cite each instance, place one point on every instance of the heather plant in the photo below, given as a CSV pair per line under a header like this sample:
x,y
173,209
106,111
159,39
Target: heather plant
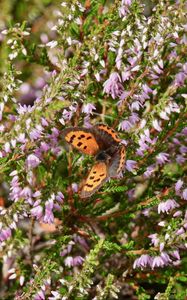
x,y
77,64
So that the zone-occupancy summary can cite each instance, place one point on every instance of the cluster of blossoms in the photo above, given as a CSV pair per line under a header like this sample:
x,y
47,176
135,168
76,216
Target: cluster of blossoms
x,y
110,64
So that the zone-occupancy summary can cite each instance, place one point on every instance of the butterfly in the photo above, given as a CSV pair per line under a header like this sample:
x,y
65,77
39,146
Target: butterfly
x,y
102,142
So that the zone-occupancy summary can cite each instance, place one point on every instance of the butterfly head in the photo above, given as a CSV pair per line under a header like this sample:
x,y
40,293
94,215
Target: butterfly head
x,y
102,156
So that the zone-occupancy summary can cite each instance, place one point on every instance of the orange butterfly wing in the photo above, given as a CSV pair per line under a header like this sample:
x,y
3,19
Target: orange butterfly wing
x,y
109,132
97,176
81,139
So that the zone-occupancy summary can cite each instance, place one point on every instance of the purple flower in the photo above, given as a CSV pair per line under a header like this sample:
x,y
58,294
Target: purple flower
x,y
37,212
178,213
32,161
113,86
154,239
157,262
149,171
44,147
67,115
156,125
26,192
136,105
143,261
126,2
161,158
165,257
175,254
39,296
55,296
36,133
184,194
88,108
178,186
44,122
60,197
74,187
180,231
5,234
161,247
126,125
167,206
49,217
131,165
78,260
68,261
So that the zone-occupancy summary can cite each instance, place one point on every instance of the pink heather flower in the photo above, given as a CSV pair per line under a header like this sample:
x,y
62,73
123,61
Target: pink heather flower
x,y
37,212
143,261
67,115
165,257
180,159
164,115
126,125
88,108
161,247
26,192
32,161
176,254
162,158
156,125
125,75
39,296
147,89
149,171
78,260
154,239
55,296
7,147
180,231
44,147
131,165
178,186
21,280
74,187
184,194
60,197
5,234
49,217
44,122
167,206
136,105
67,249
113,86
157,262
81,241
126,2
183,149
68,261
178,213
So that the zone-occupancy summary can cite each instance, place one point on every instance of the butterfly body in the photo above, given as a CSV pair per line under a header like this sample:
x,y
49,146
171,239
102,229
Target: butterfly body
x,y
102,142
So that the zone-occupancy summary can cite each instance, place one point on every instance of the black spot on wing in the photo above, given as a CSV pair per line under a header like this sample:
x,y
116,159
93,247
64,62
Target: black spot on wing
x,y
79,144
72,138
89,185
97,180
